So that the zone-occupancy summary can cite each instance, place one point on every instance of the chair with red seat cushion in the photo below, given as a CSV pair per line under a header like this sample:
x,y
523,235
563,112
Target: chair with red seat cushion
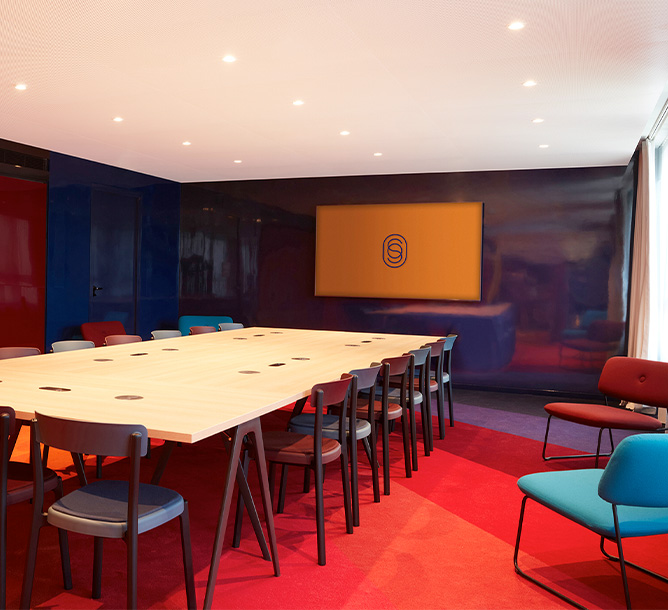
x,y
202,330
630,379
18,352
98,331
16,485
121,339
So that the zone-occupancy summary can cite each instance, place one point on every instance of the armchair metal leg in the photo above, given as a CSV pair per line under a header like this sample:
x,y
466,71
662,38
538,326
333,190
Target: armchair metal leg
x,y
581,455
542,585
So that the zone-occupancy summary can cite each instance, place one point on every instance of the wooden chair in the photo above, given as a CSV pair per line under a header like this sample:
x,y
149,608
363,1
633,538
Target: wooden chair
x,y
121,339
364,430
443,377
202,330
16,485
316,450
105,509
630,379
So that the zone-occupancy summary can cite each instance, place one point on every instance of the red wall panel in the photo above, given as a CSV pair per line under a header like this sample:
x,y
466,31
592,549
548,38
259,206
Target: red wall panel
x,y
22,262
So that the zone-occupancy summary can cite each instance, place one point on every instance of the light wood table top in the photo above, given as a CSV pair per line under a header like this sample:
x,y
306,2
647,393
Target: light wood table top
x,y
189,388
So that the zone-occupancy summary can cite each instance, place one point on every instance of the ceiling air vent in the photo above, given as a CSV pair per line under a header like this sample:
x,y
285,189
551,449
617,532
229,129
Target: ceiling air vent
x,y
19,159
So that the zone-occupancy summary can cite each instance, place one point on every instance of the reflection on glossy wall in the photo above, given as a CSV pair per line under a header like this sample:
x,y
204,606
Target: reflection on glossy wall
x,y
22,262
555,267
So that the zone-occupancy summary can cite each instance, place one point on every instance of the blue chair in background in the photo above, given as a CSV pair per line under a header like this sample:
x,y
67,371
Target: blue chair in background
x,y
185,322
628,499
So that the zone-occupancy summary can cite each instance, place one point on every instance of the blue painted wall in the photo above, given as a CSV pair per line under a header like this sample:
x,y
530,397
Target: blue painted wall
x,y
71,181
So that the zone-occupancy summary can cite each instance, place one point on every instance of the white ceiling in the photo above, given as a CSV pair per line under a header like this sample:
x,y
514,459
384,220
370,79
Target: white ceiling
x,y
434,85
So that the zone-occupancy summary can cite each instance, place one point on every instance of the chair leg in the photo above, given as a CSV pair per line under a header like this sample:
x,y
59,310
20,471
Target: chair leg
x,y
386,457
307,480
440,410
98,544
354,485
371,452
345,479
450,407
131,542
38,521
186,547
542,585
320,514
64,546
405,424
425,414
282,489
413,435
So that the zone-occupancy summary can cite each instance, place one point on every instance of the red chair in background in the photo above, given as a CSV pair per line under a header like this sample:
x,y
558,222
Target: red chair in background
x,y
98,331
629,379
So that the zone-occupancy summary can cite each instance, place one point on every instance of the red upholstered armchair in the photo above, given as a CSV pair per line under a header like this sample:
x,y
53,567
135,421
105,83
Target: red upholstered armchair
x,y
630,379
97,331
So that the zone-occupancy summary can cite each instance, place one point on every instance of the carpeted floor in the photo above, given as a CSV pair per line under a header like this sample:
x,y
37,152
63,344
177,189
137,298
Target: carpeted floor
x,y
443,538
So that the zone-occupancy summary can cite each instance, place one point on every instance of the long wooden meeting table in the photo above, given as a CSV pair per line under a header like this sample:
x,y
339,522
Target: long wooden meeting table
x,y
187,389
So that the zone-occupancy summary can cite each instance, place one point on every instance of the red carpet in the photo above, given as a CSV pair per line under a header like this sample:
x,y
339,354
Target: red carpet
x,y
442,539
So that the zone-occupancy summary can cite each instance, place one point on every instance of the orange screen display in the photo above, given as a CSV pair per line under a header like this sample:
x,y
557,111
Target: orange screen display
x,y
409,251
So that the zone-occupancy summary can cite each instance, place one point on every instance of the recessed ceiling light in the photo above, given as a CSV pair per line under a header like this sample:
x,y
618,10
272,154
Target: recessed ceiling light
x,y
538,120
229,59
237,160
529,83
516,25
298,103
543,146
186,143
377,154
344,133
21,86
118,119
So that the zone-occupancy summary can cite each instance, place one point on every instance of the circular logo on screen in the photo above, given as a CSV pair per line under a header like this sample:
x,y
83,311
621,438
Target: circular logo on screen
x,y
395,250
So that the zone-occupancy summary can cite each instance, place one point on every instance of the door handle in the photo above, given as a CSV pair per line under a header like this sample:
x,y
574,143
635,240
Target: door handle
x,y
95,289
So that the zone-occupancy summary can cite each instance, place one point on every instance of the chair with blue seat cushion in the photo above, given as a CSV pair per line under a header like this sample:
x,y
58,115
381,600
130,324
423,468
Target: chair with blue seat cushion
x,y
71,345
363,430
628,499
185,322
418,397
443,376
630,379
16,485
106,509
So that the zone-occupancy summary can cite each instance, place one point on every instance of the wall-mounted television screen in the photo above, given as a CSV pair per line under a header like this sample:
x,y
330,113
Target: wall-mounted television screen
x,y
401,250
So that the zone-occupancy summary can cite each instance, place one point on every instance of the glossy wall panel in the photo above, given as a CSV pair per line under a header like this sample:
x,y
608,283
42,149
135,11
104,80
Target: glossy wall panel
x,y
555,260
22,262
72,181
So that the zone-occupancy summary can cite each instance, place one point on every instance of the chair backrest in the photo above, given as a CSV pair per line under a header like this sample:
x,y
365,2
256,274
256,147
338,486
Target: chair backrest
x,y
367,378
230,326
9,416
330,394
636,380
448,343
437,351
185,322
402,367
18,352
202,330
636,473
97,331
121,339
68,346
88,437
165,334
